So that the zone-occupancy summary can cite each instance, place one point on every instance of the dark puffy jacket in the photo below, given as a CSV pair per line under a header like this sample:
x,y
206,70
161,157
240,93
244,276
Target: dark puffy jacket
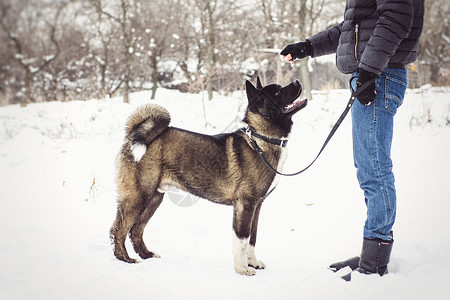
x,y
374,34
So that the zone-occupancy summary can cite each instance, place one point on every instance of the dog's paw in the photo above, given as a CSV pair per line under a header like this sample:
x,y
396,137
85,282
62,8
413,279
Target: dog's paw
x,y
124,257
257,264
249,271
149,254
132,260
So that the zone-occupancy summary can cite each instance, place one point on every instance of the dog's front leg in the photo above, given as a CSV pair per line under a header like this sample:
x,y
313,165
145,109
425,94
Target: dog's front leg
x,y
244,211
252,260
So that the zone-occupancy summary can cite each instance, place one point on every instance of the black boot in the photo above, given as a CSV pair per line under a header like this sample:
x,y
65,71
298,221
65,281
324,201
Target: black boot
x,y
375,256
353,263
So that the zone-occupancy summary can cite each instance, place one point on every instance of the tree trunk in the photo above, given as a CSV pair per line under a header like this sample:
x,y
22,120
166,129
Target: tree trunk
x,y
211,51
154,77
126,88
102,91
305,78
27,98
126,91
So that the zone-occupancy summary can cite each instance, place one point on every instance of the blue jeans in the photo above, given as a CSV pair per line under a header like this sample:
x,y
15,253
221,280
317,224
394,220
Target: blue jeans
x,y
372,129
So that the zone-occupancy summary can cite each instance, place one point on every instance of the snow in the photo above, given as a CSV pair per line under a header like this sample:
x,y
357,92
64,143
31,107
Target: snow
x,y
446,38
48,58
58,203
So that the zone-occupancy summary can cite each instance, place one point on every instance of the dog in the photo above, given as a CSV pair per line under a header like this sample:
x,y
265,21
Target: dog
x,y
222,168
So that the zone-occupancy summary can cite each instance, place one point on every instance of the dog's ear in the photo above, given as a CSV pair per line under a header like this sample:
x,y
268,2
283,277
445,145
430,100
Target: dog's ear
x,y
252,92
258,83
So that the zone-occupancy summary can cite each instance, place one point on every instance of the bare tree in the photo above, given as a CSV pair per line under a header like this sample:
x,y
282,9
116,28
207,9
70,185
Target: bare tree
x,y
101,34
205,26
189,52
32,40
76,49
435,41
156,26
123,14
291,21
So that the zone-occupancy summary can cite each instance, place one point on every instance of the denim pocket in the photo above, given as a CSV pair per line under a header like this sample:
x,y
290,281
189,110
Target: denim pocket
x,y
395,90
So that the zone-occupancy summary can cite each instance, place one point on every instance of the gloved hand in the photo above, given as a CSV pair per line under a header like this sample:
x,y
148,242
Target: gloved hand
x,y
298,50
366,94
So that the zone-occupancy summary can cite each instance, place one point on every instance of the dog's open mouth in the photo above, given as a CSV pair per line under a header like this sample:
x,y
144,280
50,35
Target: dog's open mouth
x,y
297,105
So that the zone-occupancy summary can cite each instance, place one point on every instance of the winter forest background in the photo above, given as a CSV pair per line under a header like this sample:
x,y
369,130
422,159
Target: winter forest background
x,y
83,49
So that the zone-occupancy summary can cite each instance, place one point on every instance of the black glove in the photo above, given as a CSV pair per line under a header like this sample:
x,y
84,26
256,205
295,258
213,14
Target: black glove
x,y
298,50
366,94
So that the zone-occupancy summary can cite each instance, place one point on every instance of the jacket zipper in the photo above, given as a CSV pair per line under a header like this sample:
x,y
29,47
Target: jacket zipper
x,y
356,41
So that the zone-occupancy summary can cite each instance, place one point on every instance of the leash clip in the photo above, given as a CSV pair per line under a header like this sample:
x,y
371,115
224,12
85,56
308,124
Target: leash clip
x,y
248,132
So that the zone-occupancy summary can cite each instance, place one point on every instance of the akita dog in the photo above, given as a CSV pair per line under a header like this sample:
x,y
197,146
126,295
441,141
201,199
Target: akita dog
x,y
222,168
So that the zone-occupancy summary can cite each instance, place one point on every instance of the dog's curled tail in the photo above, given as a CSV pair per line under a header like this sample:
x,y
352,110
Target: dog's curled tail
x,y
143,127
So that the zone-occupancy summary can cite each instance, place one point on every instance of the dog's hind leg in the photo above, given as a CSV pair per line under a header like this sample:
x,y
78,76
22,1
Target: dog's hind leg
x,y
242,223
128,212
138,229
252,261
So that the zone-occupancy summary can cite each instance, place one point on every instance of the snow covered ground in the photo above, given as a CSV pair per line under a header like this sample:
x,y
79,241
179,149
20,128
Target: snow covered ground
x,y
58,202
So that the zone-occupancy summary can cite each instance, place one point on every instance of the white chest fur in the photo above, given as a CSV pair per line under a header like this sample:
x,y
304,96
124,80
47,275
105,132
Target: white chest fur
x,y
279,168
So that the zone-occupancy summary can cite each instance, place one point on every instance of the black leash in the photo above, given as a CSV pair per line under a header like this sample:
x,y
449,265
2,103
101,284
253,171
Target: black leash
x,y
251,132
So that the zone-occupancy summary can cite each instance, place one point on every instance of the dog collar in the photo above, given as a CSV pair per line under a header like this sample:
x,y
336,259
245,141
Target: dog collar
x,y
251,132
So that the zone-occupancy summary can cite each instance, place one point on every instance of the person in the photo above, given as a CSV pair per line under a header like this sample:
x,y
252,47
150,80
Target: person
x,y
375,42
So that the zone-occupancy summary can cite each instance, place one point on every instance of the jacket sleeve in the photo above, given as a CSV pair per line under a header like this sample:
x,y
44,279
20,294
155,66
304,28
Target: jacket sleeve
x,y
393,26
325,42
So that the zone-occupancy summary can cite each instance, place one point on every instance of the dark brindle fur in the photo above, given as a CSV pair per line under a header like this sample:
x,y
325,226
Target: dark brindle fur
x,y
222,168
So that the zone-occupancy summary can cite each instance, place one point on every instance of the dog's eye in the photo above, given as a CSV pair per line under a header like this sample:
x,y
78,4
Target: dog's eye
x,y
277,93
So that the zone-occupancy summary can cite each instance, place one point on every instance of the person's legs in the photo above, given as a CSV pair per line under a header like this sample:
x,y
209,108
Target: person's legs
x,y
372,139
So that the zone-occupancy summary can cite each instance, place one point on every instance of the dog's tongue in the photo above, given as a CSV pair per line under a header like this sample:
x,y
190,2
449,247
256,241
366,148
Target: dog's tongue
x,y
290,107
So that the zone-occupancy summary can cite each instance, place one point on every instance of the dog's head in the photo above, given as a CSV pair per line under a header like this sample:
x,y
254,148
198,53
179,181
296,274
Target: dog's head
x,y
275,104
